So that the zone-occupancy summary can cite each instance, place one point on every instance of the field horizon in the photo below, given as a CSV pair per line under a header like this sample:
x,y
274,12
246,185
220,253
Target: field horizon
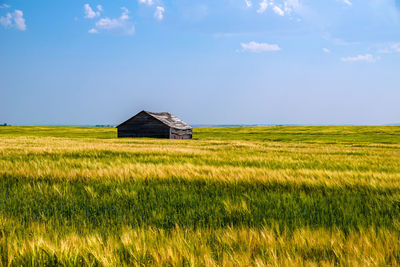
x,y
202,125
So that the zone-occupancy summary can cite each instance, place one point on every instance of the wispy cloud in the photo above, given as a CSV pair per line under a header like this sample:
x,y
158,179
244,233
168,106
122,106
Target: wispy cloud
x,y
93,31
390,48
263,6
14,20
347,2
146,2
90,13
259,47
281,8
291,5
360,58
121,24
278,11
337,41
6,21
159,13
326,50
4,6
159,10
248,3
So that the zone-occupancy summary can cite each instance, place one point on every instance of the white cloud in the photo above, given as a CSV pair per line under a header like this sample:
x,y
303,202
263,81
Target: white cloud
x,y
284,7
19,20
159,13
122,24
93,30
5,6
7,20
278,11
248,3
146,2
90,13
124,15
326,50
360,58
15,19
263,6
107,23
259,47
347,2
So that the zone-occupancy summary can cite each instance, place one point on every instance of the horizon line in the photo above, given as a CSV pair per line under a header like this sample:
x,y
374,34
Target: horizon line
x,y
206,125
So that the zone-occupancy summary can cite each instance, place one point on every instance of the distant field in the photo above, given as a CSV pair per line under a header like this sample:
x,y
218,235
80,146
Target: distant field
x,y
235,196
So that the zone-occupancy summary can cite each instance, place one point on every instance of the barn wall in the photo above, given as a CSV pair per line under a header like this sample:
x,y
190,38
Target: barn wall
x,y
143,125
181,134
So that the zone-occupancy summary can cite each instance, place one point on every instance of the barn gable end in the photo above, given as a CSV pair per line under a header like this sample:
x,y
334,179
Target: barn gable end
x,y
155,125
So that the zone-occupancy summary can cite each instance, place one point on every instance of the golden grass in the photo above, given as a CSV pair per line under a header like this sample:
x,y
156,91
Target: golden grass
x,y
119,160
206,247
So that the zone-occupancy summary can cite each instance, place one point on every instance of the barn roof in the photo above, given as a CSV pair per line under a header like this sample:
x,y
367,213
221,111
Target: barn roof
x,y
166,118
170,120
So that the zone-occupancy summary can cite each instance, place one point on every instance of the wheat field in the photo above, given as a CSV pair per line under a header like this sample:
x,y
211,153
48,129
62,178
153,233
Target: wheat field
x,y
233,196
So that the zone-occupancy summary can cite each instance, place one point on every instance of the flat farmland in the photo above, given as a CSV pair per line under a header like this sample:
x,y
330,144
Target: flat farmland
x,y
232,196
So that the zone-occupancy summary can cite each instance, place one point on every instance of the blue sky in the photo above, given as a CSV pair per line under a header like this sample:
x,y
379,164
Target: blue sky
x,y
208,62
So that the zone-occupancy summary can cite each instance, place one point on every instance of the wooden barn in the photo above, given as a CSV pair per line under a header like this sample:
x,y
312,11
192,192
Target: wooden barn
x,y
155,125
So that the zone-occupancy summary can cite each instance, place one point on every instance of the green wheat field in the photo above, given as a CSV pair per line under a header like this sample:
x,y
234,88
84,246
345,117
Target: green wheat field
x,y
232,196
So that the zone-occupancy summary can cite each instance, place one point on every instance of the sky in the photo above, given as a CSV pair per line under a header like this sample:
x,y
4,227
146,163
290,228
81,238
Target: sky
x,y
303,62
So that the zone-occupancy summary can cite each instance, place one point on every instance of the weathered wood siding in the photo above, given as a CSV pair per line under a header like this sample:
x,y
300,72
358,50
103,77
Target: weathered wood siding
x,y
143,125
181,134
